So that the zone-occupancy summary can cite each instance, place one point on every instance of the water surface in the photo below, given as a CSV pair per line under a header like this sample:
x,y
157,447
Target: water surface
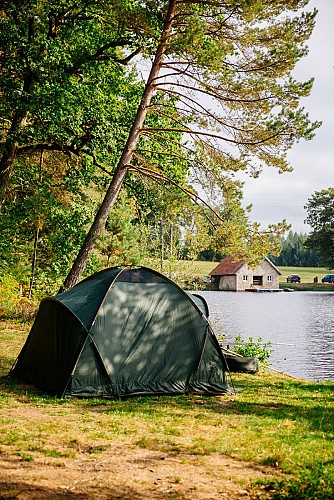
x,y
300,326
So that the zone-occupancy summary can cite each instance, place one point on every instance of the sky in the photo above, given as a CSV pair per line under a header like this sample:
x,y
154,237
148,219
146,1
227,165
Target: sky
x,y
283,196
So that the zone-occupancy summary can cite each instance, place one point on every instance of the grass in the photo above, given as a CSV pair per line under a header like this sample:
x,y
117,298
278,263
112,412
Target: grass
x,y
195,270
274,421
307,274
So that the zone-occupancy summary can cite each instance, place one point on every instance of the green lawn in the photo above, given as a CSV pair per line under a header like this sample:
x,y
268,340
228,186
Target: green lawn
x,y
307,274
283,425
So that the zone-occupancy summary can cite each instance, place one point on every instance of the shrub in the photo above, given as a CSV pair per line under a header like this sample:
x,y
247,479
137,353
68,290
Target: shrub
x,y
12,303
253,348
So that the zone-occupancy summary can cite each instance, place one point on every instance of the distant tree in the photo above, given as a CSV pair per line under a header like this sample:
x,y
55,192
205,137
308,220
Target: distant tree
x,y
294,253
123,241
320,216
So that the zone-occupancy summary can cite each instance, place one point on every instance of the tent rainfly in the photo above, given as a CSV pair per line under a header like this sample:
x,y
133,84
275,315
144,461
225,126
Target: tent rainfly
x,y
122,332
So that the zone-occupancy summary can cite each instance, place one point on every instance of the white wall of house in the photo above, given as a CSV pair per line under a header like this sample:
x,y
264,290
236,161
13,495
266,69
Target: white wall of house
x,y
263,277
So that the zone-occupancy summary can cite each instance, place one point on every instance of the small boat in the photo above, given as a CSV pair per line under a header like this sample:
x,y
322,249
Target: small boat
x,y
240,364
288,290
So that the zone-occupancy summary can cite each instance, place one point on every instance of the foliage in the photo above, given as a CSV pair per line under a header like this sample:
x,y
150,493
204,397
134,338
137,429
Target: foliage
x,y
244,70
253,348
67,99
236,235
320,216
68,91
123,240
241,59
64,85
48,209
13,301
294,252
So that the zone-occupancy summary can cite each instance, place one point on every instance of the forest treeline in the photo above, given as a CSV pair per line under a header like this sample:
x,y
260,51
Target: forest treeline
x,y
295,253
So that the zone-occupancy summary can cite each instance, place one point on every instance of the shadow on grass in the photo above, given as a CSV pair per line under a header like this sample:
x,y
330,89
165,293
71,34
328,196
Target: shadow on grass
x,y
11,489
304,402
261,397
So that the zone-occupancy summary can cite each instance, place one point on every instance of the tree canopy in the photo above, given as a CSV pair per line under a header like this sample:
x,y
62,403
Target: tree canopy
x,y
320,216
240,57
217,97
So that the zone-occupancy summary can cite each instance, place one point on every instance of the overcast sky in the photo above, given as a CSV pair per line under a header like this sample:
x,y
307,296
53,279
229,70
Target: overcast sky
x,y
276,197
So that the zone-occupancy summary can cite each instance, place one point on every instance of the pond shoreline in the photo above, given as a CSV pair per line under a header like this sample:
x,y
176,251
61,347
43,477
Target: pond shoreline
x,y
308,287
298,287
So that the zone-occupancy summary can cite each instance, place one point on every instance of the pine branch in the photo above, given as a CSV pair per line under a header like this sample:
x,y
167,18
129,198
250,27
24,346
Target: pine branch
x,y
153,174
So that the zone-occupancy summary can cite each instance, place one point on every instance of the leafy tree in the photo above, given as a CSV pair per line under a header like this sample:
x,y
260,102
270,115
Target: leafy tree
x,y
123,241
65,90
43,221
66,94
63,81
235,56
238,236
320,216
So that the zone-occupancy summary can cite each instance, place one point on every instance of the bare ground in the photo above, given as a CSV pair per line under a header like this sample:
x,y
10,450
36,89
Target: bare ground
x,y
111,468
130,472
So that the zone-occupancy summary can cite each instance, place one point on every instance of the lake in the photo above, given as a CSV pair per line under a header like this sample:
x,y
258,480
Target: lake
x,y
300,326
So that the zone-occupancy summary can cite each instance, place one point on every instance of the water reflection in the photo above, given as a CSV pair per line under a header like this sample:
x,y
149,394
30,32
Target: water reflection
x,y
300,326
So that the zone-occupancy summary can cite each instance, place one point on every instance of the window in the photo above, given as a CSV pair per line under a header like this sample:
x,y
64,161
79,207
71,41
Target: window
x,y
269,278
245,277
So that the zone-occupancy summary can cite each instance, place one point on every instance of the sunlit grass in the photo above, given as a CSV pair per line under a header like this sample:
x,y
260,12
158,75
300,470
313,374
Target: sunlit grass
x,y
307,274
273,420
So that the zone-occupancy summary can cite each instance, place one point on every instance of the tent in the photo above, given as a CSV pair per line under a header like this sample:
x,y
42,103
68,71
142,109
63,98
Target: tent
x,y
122,332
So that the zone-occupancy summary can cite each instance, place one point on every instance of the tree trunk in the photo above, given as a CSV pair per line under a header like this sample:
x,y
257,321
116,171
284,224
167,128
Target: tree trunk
x,y
125,160
19,121
36,240
10,150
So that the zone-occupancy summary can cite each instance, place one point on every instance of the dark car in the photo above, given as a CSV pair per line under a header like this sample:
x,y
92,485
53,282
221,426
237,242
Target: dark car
x,y
293,278
329,278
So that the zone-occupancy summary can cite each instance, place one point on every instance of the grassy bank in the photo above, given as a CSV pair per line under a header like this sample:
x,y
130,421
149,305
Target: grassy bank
x,y
273,439
308,287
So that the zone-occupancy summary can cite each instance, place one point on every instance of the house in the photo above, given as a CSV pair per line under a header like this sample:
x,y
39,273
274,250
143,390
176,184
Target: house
x,y
235,275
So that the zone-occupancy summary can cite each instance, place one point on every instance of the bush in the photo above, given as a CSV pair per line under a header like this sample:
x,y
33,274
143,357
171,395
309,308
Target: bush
x,y
253,348
13,305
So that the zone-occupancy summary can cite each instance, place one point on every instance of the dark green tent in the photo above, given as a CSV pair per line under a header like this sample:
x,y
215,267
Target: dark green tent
x,y
122,332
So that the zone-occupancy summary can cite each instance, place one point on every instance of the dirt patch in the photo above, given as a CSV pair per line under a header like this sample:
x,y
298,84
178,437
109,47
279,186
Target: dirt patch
x,y
129,472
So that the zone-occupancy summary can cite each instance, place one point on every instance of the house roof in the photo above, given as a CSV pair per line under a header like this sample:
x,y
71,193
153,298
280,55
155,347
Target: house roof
x,y
229,266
